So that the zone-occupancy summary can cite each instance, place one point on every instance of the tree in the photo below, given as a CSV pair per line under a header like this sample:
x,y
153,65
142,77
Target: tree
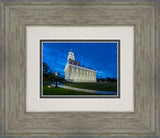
x,y
48,75
108,79
46,68
102,79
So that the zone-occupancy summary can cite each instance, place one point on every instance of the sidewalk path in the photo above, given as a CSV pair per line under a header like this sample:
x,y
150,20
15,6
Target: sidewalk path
x,y
87,90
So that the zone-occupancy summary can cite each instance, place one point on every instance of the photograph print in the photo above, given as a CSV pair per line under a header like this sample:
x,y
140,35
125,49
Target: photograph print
x,y
79,68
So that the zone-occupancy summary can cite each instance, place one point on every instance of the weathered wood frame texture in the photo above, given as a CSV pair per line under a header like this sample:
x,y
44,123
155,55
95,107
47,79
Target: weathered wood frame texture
x,y
142,122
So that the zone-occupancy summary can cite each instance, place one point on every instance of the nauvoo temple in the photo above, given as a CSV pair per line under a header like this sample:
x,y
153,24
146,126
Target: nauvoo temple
x,y
74,72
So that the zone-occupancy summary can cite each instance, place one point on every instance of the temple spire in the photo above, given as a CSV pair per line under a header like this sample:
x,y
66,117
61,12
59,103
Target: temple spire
x,y
71,55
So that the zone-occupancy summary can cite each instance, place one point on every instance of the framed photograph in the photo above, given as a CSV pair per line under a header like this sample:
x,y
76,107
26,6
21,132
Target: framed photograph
x,y
80,69
62,75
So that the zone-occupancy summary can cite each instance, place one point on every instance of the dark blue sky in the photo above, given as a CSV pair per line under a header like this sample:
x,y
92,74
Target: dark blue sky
x,y
100,56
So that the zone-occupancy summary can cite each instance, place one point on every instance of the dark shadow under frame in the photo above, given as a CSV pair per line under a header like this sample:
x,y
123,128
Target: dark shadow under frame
x,y
79,96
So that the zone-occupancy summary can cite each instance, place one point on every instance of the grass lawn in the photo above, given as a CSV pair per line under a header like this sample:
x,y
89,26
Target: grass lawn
x,y
62,91
102,86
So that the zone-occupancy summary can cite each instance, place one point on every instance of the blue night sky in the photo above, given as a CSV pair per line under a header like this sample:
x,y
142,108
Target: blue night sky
x,y
100,56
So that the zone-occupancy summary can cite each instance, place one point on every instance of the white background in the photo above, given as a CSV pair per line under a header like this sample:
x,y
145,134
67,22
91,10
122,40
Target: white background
x,y
124,103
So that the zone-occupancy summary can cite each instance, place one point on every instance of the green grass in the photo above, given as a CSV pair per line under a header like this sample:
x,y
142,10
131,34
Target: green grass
x,y
102,86
62,91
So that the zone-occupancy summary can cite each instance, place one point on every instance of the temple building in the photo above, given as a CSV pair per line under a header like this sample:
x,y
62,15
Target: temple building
x,y
74,72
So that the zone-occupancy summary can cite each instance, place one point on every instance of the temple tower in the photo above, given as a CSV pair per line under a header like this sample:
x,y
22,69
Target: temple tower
x,y
74,72
71,55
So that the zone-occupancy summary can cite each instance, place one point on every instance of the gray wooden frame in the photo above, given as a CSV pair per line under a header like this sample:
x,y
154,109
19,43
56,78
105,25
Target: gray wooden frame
x,y
142,122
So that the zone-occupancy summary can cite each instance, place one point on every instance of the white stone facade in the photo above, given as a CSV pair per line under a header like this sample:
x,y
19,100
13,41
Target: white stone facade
x,y
76,73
